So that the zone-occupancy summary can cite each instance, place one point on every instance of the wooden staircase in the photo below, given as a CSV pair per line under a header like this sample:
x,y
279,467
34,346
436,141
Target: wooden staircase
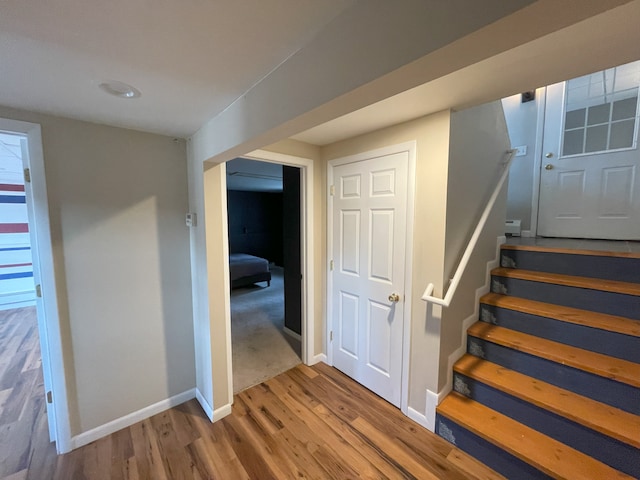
x,y
550,386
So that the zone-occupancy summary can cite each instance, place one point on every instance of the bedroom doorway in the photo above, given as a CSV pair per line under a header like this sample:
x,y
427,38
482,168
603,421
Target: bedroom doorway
x,y
264,233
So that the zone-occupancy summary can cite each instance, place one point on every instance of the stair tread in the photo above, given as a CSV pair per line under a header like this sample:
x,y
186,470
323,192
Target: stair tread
x,y
614,286
546,454
596,363
597,416
601,321
571,251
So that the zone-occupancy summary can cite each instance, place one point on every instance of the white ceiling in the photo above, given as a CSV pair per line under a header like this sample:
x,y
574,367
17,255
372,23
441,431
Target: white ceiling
x,y
193,59
190,59
599,42
253,176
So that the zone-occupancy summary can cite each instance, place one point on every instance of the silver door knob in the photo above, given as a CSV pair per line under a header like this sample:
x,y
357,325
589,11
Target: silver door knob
x,y
394,298
548,166
549,155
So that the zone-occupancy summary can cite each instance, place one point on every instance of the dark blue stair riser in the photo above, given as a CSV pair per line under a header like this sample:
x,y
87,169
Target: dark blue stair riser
x,y
492,456
605,390
610,451
595,300
594,266
625,347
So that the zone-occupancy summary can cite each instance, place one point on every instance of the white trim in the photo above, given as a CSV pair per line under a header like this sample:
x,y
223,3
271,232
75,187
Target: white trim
x,y
208,409
220,413
321,357
227,286
128,420
419,418
292,334
541,100
51,335
434,400
307,240
410,147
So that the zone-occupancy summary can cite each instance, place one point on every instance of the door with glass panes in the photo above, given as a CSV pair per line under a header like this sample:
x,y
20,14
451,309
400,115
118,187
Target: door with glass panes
x,y
589,185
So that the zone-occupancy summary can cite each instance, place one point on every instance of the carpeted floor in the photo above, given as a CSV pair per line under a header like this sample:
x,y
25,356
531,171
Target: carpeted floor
x,y
261,349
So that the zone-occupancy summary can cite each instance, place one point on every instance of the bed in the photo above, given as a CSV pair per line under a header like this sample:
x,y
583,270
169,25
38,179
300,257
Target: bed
x,y
246,270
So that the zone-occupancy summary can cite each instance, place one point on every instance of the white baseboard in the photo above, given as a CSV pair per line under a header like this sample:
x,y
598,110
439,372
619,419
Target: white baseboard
x,y
220,413
321,357
128,420
417,417
291,333
433,400
526,234
208,409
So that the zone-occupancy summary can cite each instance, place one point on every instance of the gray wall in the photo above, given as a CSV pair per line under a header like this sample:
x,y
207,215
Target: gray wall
x,y
117,200
522,120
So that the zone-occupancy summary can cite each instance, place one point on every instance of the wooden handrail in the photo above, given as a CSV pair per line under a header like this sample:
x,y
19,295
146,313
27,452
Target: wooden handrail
x,y
427,295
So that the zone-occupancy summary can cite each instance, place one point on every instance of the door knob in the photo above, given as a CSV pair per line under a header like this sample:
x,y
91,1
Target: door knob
x,y
394,298
548,166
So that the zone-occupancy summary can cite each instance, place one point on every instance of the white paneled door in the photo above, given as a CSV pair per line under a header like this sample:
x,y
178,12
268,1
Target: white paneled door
x,y
590,177
369,231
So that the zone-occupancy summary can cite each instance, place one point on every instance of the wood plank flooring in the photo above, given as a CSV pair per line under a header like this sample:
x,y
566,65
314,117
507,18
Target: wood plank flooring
x,y
309,422
24,433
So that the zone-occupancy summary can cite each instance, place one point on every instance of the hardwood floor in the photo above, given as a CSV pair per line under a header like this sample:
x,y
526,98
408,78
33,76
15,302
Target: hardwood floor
x,y
25,451
309,422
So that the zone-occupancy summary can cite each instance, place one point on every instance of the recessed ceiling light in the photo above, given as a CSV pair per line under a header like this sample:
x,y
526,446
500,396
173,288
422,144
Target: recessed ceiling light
x,y
120,89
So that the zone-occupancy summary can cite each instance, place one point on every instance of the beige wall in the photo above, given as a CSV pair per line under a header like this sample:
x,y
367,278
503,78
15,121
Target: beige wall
x,y
479,142
117,200
431,134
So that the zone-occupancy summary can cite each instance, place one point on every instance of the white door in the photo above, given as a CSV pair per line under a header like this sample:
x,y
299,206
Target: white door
x,y
590,177
40,311
369,229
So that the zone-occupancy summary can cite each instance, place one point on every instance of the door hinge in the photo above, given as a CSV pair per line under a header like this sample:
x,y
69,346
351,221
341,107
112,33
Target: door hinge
x,y
27,175
49,397
38,291
332,190
331,265
331,336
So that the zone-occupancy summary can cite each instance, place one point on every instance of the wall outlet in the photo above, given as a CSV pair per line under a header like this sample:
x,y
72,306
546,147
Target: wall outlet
x,y
521,151
190,219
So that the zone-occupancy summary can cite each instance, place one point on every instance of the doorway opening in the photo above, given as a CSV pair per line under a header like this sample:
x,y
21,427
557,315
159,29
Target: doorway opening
x,y
263,217
24,412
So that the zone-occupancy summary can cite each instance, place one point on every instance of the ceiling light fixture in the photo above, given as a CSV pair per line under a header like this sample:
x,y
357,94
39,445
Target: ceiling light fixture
x,y
120,89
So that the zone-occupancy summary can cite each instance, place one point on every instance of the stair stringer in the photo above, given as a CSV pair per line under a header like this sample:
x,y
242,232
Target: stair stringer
x,y
434,399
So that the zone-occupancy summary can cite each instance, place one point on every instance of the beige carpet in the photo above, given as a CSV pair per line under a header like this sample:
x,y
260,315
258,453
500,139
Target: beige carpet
x,y
261,349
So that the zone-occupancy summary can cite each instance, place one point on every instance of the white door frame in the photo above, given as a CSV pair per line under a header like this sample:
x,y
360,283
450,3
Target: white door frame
x,y
541,96
410,148
307,246
49,326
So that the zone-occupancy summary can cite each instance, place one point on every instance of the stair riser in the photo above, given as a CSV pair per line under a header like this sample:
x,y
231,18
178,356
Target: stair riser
x,y
610,268
602,389
595,300
614,453
489,454
613,344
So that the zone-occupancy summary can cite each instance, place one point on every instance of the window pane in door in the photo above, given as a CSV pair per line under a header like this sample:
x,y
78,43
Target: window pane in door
x,y
574,119
596,138
573,142
601,110
626,108
622,134
599,114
